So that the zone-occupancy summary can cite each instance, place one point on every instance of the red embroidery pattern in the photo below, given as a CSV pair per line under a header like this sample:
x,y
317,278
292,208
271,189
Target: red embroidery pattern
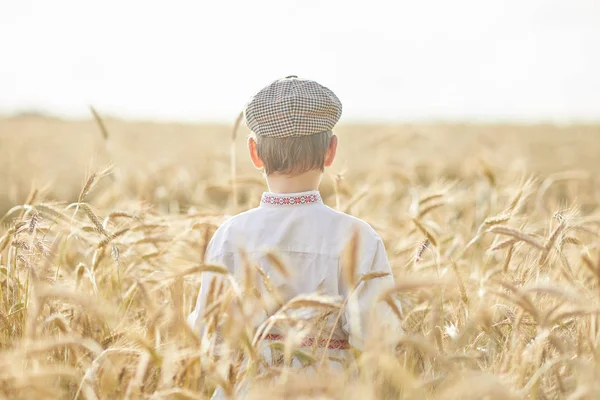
x,y
285,200
334,344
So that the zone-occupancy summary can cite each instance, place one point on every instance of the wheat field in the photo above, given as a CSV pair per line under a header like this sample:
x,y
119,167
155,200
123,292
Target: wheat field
x,y
492,233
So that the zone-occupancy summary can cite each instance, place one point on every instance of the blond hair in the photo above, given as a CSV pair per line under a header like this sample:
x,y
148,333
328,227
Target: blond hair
x,y
293,155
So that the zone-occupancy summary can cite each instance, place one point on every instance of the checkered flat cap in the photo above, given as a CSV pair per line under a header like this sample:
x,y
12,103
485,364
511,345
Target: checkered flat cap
x,y
292,107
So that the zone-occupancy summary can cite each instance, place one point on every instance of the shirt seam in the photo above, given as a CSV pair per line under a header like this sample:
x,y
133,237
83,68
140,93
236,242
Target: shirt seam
x,y
222,253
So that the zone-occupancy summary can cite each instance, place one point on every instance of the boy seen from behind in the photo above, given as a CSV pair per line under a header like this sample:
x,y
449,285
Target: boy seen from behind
x,y
292,143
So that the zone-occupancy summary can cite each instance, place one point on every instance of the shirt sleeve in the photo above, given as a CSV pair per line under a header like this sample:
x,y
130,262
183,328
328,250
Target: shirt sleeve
x,y
364,311
214,256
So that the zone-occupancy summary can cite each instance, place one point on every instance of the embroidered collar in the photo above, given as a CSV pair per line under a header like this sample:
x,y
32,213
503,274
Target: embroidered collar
x,y
291,199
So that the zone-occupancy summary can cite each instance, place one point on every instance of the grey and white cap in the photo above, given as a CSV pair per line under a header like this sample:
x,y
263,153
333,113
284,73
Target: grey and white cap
x,y
292,107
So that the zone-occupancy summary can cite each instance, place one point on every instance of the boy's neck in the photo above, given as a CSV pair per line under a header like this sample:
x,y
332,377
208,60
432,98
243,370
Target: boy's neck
x,y
294,184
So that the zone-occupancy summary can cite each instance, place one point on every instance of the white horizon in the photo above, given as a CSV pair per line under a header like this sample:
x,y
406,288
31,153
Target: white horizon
x,y
190,61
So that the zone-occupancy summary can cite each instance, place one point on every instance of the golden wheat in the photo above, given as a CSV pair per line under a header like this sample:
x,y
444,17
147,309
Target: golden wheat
x,y
497,271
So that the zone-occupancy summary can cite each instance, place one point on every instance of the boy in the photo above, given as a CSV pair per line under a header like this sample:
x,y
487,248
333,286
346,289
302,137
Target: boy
x,y
292,121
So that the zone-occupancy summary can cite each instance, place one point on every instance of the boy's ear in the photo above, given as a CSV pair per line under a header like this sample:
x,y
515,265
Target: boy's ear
x,y
330,155
252,149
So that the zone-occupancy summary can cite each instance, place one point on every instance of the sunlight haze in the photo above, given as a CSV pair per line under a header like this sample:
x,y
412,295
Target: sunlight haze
x,y
534,60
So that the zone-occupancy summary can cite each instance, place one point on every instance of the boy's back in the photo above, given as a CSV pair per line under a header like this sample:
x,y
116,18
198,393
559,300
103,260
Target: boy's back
x,y
309,238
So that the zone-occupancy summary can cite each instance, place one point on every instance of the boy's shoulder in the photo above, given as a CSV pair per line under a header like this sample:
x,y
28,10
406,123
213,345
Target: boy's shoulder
x,y
352,222
327,216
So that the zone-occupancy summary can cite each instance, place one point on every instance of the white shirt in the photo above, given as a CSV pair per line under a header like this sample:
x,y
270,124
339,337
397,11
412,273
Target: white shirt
x,y
309,237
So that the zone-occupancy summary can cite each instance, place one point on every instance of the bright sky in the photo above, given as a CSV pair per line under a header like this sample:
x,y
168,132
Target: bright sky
x,y
387,60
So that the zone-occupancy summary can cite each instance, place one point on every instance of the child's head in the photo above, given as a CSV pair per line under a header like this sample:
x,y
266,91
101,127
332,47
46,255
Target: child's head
x,y
292,121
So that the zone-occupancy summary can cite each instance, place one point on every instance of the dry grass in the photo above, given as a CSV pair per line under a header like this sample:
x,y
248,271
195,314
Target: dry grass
x,y
494,249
